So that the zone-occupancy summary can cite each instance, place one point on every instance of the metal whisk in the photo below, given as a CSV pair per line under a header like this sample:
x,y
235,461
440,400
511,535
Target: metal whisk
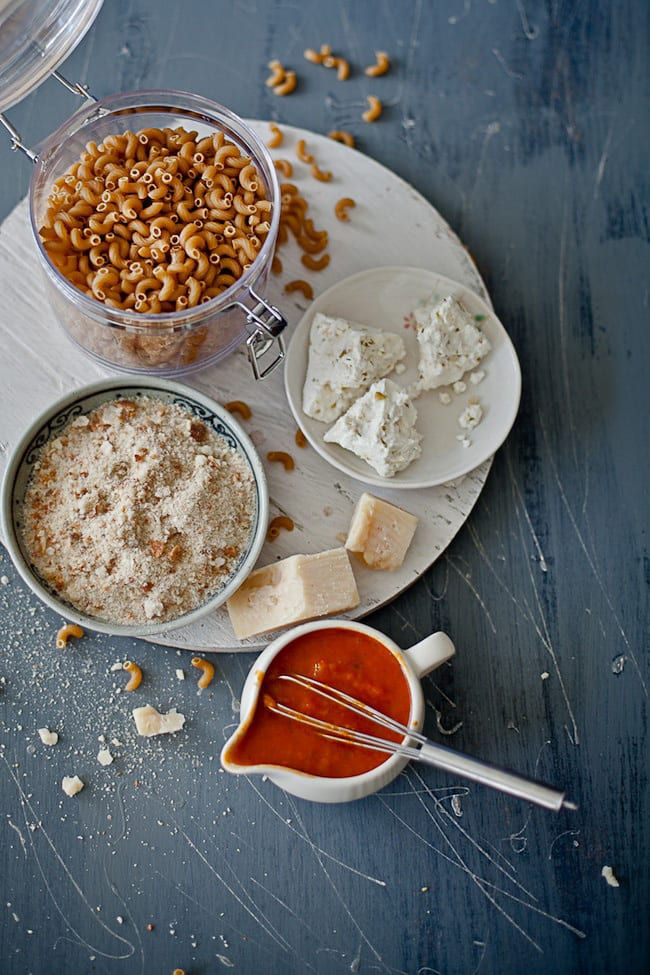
x,y
422,750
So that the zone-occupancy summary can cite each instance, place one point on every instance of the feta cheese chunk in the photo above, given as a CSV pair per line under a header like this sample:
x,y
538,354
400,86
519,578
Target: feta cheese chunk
x,y
380,429
150,722
104,756
48,737
344,359
380,533
71,785
450,342
471,416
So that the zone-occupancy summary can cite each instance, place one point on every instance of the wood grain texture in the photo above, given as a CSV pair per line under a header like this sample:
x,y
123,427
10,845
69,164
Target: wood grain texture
x,y
525,125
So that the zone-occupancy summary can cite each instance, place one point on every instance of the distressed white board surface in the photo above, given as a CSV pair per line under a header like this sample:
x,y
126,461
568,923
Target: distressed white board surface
x,y
391,224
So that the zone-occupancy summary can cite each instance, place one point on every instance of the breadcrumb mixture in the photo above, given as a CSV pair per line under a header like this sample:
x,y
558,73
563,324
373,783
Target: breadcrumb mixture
x,y
138,511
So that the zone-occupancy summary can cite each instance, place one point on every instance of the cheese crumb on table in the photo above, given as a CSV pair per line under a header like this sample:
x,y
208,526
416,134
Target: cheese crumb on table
x,y
71,785
450,342
380,533
48,737
471,416
344,360
293,590
150,722
104,757
380,429
608,874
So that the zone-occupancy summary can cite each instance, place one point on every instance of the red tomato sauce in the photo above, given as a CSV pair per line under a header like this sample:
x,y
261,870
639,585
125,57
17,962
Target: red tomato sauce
x,y
351,661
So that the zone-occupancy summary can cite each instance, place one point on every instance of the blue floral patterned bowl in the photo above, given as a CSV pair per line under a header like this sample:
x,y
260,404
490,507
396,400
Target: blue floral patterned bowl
x,y
83,401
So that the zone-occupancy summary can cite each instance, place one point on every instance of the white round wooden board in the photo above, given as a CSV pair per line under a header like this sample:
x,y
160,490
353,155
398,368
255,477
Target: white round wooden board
x,y
391,224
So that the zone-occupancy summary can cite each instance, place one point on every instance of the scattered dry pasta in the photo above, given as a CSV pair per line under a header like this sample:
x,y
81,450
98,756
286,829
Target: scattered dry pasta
x,y
136,675
285,167
313,263
157,220
339,135
301,152
277,136
276,265
288,85
64,634
342,206
238,406
300,438
374,109
300,285
342,66
277,523
380,67
320,174
207,668
278,74
281,457
314,56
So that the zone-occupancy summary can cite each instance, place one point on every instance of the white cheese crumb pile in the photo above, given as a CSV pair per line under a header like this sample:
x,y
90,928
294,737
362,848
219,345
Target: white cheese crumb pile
x,y
71,785
48,737
150,722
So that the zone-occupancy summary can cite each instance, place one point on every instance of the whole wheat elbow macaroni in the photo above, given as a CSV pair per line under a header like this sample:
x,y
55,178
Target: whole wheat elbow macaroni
x,y
136,675
342,206
288,85
208,671
278,74
300,285
374,109
64,634
277,136
380,67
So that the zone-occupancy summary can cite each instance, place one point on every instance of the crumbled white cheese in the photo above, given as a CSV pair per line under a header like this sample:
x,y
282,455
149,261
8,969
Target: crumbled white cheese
x,y
180,674
4,580
104,757
450,342
48,737
459,386
471,416
380,429
344,360
444,398
150,722
116,666
477,376
608,874
71,785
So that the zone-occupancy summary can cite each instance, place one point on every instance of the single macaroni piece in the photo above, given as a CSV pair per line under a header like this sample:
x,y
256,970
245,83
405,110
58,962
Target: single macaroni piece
x,y
278,74
301,152
285,167
300,438
339,135
136,675
64,634
238,406
323,175
207,668
315,264
300,285
281,457
277,136
342,66
342,206
277,523
313,56
288,85
71,785
380,67
374,109
380,533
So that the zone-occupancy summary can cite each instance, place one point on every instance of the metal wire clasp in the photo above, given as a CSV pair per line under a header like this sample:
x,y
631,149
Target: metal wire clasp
x,y
16,139
268,325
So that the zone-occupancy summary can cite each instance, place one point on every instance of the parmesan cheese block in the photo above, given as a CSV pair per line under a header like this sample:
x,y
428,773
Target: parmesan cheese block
x,y
344,359
150,722
380,429
450,343
380,533
296,589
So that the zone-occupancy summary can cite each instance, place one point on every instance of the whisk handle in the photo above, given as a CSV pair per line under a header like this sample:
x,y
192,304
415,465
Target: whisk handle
x,y
492,776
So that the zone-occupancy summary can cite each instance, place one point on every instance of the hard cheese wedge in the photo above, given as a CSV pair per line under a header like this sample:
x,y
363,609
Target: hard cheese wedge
x,y
380,532
299,588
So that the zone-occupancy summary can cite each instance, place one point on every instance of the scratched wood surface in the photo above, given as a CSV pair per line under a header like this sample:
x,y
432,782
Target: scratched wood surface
x,y
525,124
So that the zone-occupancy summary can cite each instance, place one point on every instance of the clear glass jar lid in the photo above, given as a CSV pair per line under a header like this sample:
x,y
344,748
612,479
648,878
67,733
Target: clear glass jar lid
x,y
35,37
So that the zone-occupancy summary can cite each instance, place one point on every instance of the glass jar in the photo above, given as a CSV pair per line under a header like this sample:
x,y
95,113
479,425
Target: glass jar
x,y
170,343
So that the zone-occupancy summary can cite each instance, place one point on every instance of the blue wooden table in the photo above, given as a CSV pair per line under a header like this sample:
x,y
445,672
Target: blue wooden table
x,y
525,124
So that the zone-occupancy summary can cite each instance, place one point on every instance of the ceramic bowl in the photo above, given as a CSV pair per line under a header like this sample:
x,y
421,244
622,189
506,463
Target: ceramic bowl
x,y
416,662
82,401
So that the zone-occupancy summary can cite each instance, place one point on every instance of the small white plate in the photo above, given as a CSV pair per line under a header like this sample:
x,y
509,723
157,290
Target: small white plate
x,y
384,298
